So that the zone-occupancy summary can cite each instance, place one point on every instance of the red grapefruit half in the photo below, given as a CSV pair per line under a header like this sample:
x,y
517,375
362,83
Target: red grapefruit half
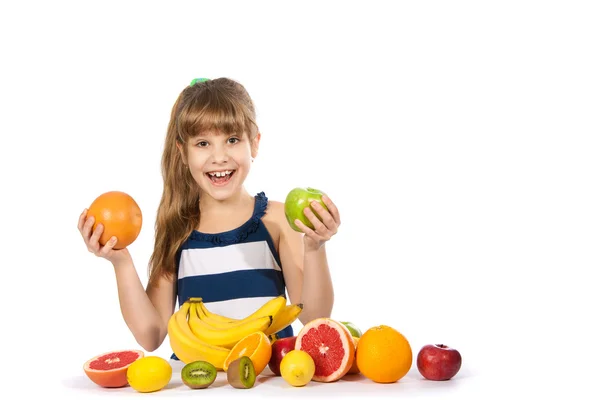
x,y
109,370
330,345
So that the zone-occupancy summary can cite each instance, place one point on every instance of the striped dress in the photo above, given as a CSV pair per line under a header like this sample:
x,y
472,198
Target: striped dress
x,y
235,272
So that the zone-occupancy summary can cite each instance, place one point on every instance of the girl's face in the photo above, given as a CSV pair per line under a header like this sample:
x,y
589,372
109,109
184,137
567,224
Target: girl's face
x,y
219,162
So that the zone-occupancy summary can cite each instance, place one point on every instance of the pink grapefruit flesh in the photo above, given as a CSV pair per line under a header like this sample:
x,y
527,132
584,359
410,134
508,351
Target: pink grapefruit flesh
x,y
109,370
330,345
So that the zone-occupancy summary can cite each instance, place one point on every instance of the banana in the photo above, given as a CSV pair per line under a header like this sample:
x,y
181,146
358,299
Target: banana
x,y
226,337
214,316
284,318
188,347
270,307
214,322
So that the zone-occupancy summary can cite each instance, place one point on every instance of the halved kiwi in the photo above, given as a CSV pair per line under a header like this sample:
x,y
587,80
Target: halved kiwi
x,y
198,374
241,373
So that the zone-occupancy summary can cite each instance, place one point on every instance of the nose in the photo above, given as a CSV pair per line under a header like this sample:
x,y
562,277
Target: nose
x,y
220,155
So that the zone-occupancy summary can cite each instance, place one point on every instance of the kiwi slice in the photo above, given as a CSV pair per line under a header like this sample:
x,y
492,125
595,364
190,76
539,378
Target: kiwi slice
x,y
241,373
198,374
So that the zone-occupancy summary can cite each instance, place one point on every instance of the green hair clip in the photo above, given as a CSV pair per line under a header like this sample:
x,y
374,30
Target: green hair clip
x,y
198,80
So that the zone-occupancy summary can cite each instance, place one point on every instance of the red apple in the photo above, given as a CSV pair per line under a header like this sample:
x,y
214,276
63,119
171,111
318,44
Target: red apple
x,y
438,362
280,348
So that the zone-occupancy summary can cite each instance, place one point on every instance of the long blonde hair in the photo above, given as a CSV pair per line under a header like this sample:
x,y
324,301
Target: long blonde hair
x,y
220,104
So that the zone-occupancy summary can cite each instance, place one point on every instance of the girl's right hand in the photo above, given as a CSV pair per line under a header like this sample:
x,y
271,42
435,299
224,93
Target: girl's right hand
x,y
91,240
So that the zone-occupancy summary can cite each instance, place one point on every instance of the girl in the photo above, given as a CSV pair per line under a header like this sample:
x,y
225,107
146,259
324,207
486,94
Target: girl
x,y
213,239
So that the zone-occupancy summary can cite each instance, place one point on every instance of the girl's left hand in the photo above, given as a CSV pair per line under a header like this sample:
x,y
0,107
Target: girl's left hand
x,y
323,231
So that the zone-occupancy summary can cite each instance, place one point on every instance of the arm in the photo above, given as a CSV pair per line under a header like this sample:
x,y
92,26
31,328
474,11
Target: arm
x,y
146,312
306,275
304,260
318,288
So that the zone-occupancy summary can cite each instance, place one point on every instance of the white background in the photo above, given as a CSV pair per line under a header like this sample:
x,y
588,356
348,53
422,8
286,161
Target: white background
x,y
458,139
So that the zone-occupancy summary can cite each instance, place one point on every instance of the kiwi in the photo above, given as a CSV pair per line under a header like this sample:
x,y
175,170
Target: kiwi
x,y
241,373
198,374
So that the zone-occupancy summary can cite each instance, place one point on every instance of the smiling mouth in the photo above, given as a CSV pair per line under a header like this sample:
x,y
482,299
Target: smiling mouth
x,y
220,177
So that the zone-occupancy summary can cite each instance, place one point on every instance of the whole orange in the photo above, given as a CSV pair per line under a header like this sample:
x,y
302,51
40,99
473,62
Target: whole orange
x,y
120,215
383,354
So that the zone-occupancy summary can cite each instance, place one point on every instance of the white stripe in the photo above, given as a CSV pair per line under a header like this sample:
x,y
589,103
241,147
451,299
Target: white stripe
x,y
237,308
217,260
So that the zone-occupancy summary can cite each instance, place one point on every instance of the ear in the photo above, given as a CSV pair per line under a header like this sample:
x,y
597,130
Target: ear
x,y
254,145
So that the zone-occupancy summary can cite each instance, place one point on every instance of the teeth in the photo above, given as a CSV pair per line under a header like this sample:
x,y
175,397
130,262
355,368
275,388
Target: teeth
x,y
220,173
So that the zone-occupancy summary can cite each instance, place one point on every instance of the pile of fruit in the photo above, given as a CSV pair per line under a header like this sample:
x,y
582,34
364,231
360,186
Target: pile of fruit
x,y
324,350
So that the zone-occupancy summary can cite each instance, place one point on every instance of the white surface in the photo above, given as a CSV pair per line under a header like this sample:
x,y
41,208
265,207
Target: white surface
x,y
460,141
268,385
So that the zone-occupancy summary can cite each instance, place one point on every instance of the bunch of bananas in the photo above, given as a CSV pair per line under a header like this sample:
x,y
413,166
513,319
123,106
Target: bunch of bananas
x,y
195,333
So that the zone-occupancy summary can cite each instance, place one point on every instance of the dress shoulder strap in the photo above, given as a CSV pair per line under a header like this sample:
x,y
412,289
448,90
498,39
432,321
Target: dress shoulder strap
x,y
239,234
260,205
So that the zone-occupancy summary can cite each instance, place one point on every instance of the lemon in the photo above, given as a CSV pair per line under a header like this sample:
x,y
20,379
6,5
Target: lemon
x,y
149,374
297,368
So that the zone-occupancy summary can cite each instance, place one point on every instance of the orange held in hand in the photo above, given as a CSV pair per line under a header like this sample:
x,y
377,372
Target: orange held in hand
x,y
120,215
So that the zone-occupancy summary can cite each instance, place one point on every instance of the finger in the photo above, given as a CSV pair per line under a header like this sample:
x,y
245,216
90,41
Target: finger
x,y
318,225
87,228
108,247
81,221
325,215
333,210
94,241
307,231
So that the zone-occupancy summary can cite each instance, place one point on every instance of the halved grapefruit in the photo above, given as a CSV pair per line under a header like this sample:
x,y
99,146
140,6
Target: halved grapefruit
x,y
330,345
109,370
354,369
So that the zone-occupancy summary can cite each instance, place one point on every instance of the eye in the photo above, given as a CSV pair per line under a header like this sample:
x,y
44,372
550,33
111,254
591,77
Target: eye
x,y
202,143
233,140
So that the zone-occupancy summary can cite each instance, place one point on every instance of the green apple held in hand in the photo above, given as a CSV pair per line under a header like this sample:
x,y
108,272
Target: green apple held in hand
x,y
297,200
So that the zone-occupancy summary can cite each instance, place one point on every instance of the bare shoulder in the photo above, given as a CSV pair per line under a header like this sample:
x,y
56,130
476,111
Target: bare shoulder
x,y
275,213
275,209
274,219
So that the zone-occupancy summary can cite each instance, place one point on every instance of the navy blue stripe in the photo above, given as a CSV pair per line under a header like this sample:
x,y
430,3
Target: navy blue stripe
x,y
193,243
261,234
267,236
285,332
232,285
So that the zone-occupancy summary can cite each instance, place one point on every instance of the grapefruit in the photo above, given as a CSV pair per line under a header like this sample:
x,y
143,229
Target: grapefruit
x,y
354,369
331,347
120,215
109,370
